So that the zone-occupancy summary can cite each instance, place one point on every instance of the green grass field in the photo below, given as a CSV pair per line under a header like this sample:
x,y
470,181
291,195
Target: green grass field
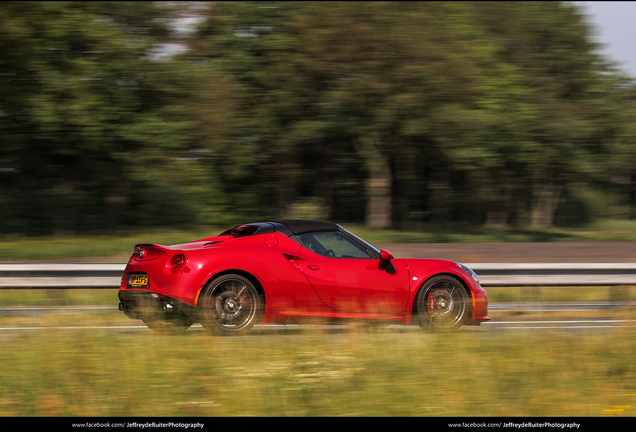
x,y
65,362
312,372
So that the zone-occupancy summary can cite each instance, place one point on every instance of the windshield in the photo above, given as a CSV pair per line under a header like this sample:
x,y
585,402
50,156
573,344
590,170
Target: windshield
x,y
359,240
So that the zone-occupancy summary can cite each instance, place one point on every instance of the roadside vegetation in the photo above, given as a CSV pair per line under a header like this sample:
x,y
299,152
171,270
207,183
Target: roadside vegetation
x,y
312,372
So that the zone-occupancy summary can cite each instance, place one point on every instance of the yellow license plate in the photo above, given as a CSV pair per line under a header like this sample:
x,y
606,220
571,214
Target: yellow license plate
x,y
138,281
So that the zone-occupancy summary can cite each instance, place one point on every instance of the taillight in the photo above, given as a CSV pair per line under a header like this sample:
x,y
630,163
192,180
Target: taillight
x,y
176,262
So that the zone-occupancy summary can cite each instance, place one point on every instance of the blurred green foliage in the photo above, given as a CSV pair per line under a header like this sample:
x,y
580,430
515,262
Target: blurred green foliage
x,y
380,113
90,370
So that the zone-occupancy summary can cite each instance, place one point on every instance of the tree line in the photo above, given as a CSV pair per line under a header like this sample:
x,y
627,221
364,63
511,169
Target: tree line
x,y
383,113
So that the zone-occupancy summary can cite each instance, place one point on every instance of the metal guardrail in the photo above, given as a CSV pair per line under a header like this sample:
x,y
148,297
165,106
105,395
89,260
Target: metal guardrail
x,y
63,276
564,274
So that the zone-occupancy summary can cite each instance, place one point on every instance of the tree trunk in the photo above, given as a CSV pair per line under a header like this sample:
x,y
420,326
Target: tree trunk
x,y
545,208
377,186
378,191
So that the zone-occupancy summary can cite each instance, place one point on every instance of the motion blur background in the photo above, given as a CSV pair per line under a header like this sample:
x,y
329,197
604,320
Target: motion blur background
x,y
120,115
132,122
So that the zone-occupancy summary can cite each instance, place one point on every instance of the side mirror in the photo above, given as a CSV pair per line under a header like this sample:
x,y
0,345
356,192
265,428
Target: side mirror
x,y
385,262
385,255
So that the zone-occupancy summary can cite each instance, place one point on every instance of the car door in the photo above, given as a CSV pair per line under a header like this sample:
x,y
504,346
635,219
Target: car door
x,y
348,278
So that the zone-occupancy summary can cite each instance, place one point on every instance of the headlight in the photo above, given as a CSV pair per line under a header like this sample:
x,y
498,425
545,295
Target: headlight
x,y
469,271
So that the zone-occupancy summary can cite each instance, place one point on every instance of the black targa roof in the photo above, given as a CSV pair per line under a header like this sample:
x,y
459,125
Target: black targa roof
x,y
286,226
299,226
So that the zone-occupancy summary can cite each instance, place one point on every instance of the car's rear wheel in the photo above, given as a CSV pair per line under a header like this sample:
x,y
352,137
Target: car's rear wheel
x,y
230,304
442,304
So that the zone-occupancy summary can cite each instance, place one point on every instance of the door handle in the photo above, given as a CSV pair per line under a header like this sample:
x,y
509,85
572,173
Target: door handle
x,y
313,267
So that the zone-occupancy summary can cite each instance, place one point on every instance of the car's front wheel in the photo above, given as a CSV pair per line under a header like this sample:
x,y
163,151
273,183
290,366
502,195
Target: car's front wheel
x,y
230,304
442,304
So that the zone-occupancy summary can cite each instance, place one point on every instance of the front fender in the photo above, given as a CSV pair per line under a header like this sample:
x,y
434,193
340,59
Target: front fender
x,y
421,270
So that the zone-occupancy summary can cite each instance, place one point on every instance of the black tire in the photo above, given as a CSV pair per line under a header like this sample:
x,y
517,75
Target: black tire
x,y
230,304
442,304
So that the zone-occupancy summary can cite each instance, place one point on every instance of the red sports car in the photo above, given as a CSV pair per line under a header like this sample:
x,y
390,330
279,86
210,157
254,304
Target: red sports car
x,y
285,271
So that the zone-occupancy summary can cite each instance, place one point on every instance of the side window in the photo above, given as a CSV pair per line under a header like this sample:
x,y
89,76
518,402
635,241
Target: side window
x,y
333,244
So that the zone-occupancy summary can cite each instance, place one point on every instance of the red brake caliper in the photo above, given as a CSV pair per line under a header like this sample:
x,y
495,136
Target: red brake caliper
x,y
431,303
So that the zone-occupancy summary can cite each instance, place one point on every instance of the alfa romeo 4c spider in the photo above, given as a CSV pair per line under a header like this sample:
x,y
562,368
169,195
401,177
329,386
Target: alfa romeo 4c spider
x,y
289,271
